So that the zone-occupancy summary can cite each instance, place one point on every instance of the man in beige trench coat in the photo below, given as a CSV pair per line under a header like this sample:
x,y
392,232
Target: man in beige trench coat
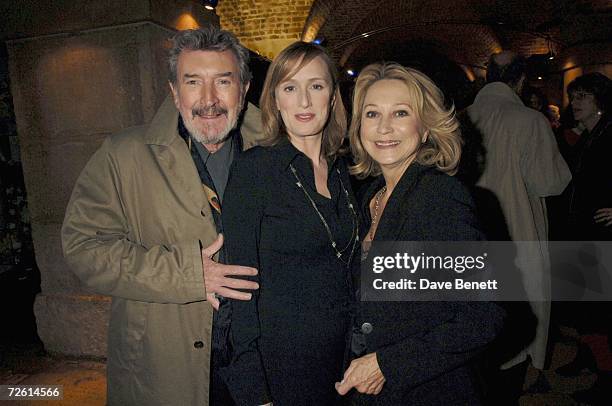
x,y
142,225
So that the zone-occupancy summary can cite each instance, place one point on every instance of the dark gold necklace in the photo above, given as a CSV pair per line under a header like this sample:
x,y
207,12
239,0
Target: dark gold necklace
x,y
352,243
379,195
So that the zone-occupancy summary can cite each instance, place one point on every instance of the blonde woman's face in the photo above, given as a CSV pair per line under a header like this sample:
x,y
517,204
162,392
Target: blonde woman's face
x,y
390,132
304,100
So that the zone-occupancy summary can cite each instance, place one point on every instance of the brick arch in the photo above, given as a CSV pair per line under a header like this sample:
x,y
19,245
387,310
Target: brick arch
x,y
440,21
469,29
265,26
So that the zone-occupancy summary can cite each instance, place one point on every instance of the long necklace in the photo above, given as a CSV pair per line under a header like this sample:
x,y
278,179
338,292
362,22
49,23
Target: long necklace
x,y
352,243
379,195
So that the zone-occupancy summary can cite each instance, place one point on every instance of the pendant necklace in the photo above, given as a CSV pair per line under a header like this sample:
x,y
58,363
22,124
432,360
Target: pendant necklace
x,y
379,195
352,243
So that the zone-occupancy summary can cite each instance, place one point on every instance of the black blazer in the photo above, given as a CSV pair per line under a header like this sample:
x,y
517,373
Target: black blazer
x,y
425,349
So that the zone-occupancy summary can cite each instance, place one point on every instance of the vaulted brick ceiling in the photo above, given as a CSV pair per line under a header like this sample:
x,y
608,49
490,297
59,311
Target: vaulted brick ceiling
x,y
464,31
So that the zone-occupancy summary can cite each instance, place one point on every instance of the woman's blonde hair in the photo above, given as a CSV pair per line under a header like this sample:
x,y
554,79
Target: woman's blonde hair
x,y
285,65
443,145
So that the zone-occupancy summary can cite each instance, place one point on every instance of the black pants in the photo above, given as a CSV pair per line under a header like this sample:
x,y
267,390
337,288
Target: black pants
x,y
219,394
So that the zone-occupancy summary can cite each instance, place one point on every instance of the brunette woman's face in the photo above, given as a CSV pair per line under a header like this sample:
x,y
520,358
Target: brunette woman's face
x,y
304,100
583,105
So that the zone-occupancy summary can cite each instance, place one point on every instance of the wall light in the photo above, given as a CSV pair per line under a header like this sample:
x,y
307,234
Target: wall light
x,y
210,4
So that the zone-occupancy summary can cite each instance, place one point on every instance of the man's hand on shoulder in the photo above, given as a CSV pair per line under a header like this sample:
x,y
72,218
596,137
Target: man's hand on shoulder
x,y
219,278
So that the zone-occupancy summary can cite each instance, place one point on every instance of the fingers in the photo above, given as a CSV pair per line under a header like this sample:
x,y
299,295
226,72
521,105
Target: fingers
x,y
214,302
233,294
347,383
235,283
603,216
238,270
378,388
343,387
213,248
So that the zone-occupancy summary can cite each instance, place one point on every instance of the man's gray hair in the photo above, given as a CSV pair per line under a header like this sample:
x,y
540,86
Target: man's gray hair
x,y
209,38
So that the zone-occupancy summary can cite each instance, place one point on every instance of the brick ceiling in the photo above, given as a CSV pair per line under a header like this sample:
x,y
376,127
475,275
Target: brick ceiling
x,y
466,32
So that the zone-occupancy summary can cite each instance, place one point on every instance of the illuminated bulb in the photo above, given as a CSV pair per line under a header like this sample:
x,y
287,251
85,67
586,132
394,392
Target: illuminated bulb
x,y
350,72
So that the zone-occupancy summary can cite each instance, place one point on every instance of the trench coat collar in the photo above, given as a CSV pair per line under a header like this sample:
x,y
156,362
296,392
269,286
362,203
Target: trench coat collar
x,y
163,129
398,204
499,90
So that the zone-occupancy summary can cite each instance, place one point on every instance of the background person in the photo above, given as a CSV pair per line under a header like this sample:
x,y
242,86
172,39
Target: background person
x,y
591,198
413,353
523,166
290,213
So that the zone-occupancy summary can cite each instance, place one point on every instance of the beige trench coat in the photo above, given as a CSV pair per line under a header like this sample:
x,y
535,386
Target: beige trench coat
x,y
133,230
523,166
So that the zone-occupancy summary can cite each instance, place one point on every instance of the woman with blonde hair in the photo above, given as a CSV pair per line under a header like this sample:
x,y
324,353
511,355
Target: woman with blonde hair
x,y
290,213
412,353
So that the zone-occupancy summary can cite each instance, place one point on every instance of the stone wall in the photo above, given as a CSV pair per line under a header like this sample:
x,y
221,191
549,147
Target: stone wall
x,y
84,70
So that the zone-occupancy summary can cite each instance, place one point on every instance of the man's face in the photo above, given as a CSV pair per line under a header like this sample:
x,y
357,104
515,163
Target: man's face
x,y
208,94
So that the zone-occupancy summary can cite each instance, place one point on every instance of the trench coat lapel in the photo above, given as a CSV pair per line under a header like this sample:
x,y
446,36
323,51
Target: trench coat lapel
x,y
173,156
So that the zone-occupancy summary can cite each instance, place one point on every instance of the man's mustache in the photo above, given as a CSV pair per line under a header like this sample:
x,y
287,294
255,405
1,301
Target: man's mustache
x,y
213,110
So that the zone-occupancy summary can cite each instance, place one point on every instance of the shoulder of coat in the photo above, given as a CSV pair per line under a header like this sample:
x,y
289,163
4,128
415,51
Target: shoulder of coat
x,y
251,129
128,140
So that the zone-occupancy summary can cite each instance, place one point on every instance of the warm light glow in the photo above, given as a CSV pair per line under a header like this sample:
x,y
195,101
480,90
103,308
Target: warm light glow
x,y
568,76
186,22
539,77
468,72
207,7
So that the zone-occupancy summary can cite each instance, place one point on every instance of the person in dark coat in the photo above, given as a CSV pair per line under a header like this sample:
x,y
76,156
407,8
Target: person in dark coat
x,y
591,190
413,353
293,217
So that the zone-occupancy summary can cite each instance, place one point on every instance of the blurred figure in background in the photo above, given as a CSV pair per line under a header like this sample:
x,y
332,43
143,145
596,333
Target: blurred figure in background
x,y
523,166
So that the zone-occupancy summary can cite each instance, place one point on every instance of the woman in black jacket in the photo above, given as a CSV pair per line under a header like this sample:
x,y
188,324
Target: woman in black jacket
x,y
413,353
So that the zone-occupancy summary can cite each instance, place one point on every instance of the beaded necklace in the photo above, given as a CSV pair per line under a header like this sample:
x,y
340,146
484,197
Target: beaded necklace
x,y
352,243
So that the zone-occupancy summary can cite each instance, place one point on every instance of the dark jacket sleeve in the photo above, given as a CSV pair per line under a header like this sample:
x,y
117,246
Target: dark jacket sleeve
x,y
241,215
465,328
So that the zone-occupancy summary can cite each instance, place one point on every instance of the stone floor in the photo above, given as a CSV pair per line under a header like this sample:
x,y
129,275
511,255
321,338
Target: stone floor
x,y
85,384
83,381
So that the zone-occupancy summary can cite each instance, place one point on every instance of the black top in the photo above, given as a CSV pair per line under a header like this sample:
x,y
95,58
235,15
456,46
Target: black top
x,y
424,348
591,188
289,340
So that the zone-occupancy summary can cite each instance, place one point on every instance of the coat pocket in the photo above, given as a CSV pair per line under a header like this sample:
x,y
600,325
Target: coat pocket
x,y
127,329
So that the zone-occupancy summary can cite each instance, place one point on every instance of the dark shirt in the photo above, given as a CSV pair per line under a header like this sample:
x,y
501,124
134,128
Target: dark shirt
x,y
291,338
218,163
591,188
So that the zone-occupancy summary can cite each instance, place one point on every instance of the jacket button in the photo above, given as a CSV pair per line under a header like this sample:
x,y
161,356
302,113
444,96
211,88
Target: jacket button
x,y
366,328
198,344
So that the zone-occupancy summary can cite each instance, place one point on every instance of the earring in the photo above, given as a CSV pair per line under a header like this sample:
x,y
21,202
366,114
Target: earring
x,y
425,136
